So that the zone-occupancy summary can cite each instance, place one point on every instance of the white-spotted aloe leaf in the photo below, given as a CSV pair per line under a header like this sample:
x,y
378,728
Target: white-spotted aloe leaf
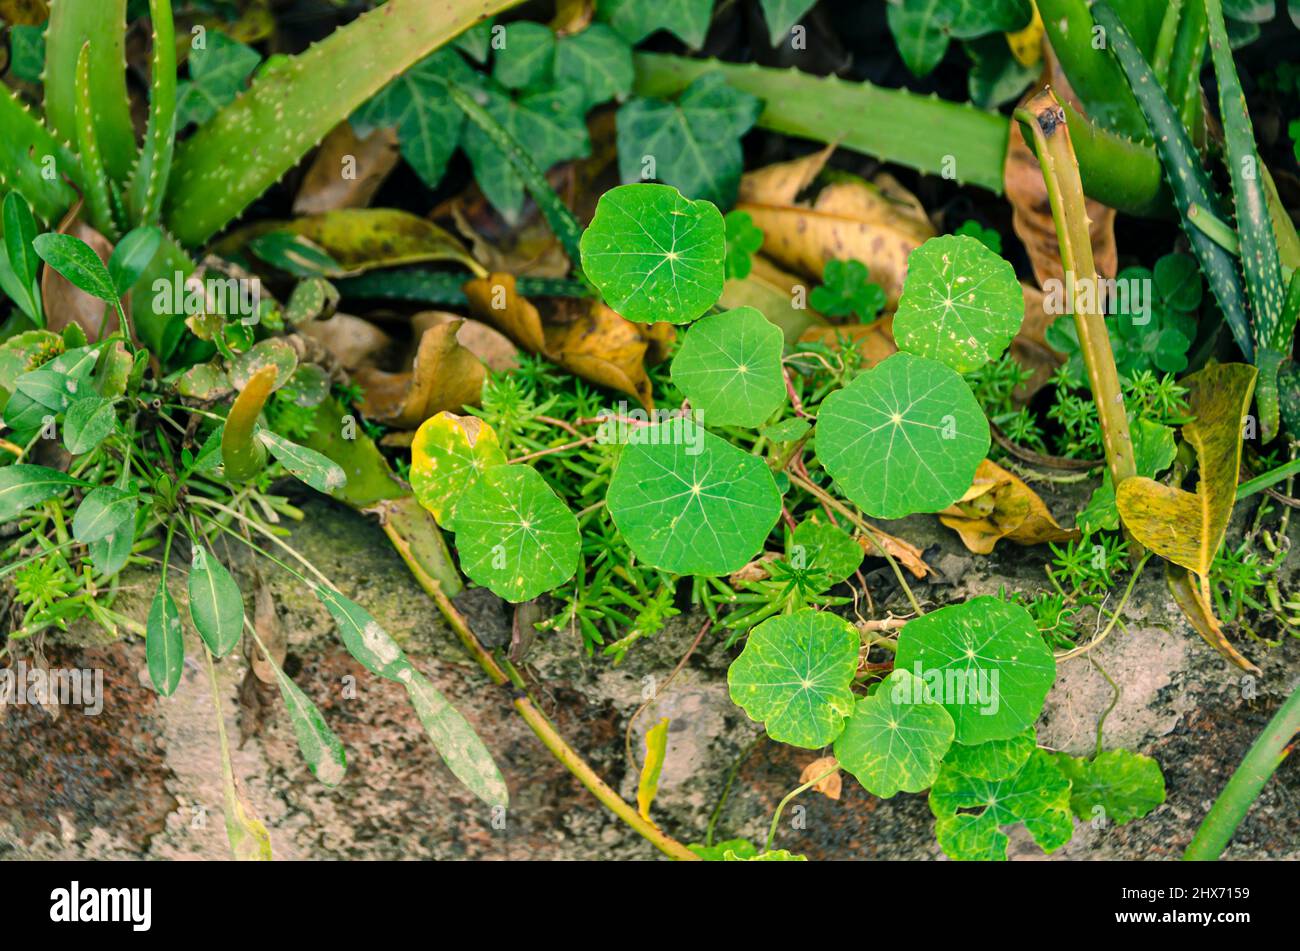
x,y
903,437
689,502
1117,785
448,455
514,534
896,737
985,661
216,606
729,367
655,255
794,676
455,740
961,303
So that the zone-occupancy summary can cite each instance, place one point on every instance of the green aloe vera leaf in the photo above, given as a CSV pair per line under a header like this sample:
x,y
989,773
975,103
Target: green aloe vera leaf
x,y
99,204
149,177
27,150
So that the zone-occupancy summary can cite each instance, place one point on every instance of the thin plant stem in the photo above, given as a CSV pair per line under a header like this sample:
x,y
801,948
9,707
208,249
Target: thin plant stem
x,y
1114,617
780,807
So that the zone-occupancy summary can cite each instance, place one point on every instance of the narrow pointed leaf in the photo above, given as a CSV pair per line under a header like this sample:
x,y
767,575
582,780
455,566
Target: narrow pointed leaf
x,y
216,606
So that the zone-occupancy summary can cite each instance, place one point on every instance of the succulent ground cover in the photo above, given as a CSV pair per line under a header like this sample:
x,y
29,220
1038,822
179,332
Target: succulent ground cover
x,y
604,331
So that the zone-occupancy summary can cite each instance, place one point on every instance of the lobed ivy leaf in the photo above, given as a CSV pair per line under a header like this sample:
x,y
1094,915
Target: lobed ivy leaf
x,y
217,74
922,28
896,738
985,661
216,606
598,61
448,454
23,485
164,644
782,15
744,238
514,534
105,510
655,255
87,423
729,367
961,303
693,143
1118,785
903,437
317,470
526,57
794,676
689,502
688,20
846,291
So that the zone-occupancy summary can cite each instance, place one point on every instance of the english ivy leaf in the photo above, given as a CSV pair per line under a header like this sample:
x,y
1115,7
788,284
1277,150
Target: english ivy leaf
x,y
825,547
692,144
985,661
896,737
526,57
23,485
88,422
27,52
1153,452
729,367
455,740
744,238
322,750
920,33
794,675
164,645
1038,796
598,61
549,123
448,454
77,262
132,256
217,74
1117,785
655,255
216,606
475,41
903,437
105,509
961,303
514,534
364,637
318,471
690,502
845,290
782,15
688,20
416,104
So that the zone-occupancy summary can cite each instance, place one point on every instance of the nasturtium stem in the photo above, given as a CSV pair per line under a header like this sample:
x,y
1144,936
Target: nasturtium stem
x,y
1261,761
780,806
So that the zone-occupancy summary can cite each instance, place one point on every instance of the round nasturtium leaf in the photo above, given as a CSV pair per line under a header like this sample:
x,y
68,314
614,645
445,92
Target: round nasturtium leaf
x,y
794,676
514,534
729,367
985,661
961,303
896,737
903,437
448,454
655,254
689,502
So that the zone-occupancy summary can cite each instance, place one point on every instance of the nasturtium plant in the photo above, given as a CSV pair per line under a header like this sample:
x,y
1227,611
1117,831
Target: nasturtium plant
x,y
654,254
448,454
961,303
1117,785
985,661
688,501
896,737
514,534
846,290
794,675
905,436
729,367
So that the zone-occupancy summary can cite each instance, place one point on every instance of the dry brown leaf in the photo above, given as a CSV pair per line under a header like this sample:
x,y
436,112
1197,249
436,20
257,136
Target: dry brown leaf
x,y
773,293
1192,594
346,171
829,786
874,341
603,347
781,182
907,554
491,346
65,304
1030,347
445,376
266,621
530,248
999,505
495,300
353,342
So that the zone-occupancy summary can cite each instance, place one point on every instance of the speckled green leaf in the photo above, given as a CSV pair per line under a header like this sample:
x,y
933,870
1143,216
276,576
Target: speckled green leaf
x,y
1117,785
164,645
448,455
896,737
313,468
322,750
216,606
455,740
729,367
363,636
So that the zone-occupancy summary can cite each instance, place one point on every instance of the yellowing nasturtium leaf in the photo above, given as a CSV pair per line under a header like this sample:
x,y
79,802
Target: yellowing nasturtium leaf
x,y
448,455
905,436
996,759
514,534
1118,785
729,367
1037,795
896,737
961,303
985,661
654,254
216,606
689,502
794,676
740,848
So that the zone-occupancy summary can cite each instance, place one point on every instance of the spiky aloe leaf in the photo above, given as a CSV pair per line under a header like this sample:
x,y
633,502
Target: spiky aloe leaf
x,y
1184,81
1186,176
27,149
1098,80
102,24
149,178
99,202
249,144
1259,257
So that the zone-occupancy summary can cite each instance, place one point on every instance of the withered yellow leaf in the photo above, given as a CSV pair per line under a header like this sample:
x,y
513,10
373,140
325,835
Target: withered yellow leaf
x,y
999,505
656,748
829,786
1192,594
607,349
495,300
446,376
